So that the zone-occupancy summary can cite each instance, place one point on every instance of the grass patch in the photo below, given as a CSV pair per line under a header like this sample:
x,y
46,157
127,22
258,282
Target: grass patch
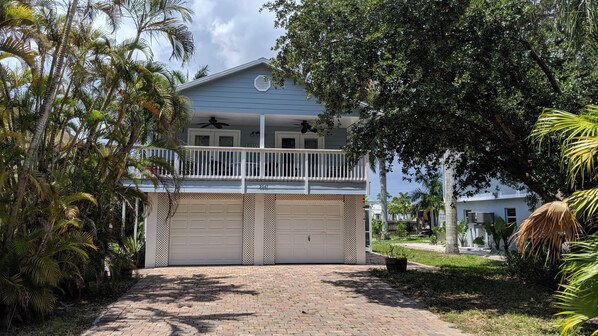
x,y
413,239
477,295
73,317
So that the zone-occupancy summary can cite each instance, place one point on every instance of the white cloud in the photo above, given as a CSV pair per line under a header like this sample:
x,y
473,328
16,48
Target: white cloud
x,y
227,33
231,32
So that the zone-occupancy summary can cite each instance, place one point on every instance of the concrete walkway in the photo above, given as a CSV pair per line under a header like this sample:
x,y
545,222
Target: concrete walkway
x,y
463,250
266,300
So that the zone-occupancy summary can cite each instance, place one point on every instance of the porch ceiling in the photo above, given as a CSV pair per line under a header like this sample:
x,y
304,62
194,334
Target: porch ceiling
x,y
244,119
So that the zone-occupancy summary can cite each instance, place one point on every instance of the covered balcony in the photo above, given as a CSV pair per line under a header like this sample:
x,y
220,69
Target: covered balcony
x,y
261,168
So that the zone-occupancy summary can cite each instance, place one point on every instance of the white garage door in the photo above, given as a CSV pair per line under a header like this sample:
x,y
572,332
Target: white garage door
x,y
207,232
309,232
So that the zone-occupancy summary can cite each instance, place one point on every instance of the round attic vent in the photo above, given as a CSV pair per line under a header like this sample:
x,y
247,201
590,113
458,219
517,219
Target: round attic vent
x,y
262,83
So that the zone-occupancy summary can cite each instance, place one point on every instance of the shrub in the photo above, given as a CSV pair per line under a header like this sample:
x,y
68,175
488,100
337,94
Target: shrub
x,y
531,269
377,228
401,229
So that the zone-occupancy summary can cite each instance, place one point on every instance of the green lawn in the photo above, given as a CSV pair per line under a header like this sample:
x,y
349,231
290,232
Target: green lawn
x,y
476,294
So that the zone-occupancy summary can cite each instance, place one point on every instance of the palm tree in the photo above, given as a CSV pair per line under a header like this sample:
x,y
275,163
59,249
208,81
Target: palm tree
x,y
555,223
429,198
450,206
400,205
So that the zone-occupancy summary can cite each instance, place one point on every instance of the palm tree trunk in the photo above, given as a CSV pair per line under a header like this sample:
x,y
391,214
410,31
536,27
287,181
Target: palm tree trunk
x,y
450,207
45,110
383,197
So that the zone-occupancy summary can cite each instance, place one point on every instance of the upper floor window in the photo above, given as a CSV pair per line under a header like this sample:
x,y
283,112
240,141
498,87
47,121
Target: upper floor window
x,y
511,215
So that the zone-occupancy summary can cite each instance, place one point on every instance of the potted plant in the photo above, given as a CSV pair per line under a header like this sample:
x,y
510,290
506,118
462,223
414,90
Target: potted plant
x,y
124,258
396,260
478,242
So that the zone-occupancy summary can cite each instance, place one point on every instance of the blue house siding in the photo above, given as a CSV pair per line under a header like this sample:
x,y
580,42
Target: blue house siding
x,y
236,93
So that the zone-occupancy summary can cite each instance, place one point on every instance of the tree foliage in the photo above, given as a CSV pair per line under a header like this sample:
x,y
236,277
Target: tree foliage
x,y
89,100
466,76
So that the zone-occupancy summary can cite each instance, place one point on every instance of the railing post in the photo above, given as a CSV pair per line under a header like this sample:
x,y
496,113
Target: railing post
x,y
177,167
243,171
306,172
262,164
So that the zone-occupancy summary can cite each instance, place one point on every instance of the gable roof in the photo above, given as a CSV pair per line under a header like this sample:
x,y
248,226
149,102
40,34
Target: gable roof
x,y
206,79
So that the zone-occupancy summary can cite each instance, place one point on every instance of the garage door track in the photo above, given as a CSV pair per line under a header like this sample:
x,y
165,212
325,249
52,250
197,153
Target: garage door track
x,y
266,300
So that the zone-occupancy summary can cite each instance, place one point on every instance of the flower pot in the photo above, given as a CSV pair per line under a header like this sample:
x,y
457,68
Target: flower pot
x,y
396,265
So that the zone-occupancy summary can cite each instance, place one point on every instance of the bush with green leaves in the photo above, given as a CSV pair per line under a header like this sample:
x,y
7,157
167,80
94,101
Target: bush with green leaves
x,y
401,229
479,241
532,269
377,228
501,231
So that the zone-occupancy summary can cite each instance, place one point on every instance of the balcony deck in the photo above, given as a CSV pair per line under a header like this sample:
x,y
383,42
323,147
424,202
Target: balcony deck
x,y
261,170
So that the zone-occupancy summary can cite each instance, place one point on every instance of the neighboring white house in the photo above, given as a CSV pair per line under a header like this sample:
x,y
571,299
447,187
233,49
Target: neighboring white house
x,y
502,201
258,186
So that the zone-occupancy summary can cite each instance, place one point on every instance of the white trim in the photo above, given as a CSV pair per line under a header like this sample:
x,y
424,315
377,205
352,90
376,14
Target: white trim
x,y
360,228
262,78
308,201
258,230
300,137
262,130
224,73
151,232
214,134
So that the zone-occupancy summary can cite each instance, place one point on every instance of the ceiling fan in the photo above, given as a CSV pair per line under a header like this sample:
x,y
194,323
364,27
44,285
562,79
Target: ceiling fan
x,y
305,127
213,122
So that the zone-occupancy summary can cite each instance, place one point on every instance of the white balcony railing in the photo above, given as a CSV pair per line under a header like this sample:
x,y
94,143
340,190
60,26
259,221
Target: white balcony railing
x,y
237,163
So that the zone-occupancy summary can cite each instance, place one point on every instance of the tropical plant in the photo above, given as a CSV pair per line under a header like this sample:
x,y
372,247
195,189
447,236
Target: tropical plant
x,y
578,299
400,205
428,198
377,228
71,116
501,231
555,224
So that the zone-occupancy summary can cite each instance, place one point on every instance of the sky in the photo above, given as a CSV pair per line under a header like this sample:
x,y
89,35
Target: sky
x,y
228,33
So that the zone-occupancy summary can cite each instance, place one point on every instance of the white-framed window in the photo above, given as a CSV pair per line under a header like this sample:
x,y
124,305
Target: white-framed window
x,y
217,138
511,215
299,140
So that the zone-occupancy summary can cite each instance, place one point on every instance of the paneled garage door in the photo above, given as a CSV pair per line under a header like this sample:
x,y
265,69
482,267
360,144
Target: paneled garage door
x,y
309,231
204,232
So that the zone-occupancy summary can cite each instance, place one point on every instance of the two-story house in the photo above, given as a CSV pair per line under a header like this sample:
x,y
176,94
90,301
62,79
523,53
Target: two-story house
x,y
258,184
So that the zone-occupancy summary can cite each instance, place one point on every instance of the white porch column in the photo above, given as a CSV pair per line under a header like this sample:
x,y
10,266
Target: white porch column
x,y
262,145
258,241
262,131
150,231
360,229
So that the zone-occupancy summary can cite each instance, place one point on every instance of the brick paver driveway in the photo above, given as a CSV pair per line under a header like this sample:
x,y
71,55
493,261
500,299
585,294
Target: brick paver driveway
x,y
266,300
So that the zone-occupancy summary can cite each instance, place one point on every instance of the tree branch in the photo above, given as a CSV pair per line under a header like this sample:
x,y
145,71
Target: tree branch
x,y
545,68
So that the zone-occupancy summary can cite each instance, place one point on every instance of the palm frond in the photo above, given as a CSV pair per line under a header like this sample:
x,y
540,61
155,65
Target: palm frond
x,y
548,227
578,299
